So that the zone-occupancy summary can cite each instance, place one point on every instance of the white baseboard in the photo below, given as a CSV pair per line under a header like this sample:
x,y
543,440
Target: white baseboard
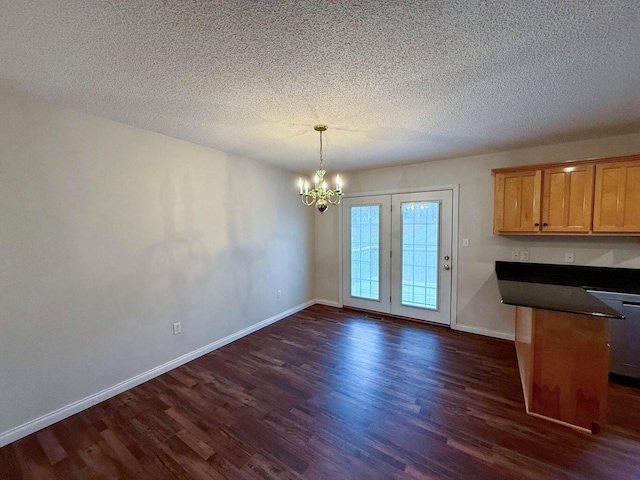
x,y
485,331
328,303
44,421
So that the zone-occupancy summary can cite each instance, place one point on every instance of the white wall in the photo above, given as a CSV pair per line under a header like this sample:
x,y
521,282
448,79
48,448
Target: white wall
x,y
109,234
478,304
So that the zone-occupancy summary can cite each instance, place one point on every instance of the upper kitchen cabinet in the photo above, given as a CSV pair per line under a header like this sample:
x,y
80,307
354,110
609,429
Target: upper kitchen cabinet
x,y
517,202
617,197
567,199
584,197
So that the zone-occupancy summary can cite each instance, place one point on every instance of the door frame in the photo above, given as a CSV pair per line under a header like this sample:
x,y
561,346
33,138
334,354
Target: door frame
x,y
455,190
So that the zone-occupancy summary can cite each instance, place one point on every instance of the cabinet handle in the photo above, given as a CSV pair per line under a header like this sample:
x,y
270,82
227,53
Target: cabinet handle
x,y
545,224
536,224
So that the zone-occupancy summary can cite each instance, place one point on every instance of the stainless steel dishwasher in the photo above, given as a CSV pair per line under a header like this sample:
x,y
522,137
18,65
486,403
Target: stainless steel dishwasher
x,y
625,333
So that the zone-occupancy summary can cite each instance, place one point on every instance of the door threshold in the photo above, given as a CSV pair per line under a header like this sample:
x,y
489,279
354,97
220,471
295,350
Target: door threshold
x,y
380,316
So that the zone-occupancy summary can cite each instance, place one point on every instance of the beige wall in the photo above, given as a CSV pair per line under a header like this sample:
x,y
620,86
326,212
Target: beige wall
x,y
478,303
109,234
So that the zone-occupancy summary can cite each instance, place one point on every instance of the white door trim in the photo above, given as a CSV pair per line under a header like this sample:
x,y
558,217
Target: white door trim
x,y
455,188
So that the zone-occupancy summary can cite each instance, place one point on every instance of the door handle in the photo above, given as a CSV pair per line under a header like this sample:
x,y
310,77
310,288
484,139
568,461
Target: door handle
x,y
447,267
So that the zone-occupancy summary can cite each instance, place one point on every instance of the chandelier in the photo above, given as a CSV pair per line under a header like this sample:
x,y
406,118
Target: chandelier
x,y
320,195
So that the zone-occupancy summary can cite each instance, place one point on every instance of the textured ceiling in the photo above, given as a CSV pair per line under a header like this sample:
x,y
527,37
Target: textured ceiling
x,y
396,82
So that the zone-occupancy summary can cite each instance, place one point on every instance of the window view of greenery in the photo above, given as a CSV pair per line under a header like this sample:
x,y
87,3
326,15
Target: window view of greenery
x,y
420,254
365,252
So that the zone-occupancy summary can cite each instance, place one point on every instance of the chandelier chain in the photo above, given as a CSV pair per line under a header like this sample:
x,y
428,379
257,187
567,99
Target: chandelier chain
x,y
320,149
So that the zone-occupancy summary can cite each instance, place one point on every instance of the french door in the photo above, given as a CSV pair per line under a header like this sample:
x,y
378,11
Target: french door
x,y
397,254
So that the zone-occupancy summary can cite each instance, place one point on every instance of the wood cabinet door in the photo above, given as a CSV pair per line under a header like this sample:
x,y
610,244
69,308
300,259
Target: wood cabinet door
x,y
517,202
617,198
567,200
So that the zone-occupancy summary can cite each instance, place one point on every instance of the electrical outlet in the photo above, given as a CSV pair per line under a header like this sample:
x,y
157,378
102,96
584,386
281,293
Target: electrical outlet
x,y
279,293
524,256
515,255
465,242
568,257
177,328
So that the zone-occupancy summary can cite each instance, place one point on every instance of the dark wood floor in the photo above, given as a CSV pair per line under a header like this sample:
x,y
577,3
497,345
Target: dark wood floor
x,y
330,393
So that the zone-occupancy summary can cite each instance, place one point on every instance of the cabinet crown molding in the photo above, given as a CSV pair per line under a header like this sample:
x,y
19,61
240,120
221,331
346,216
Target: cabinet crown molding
x,y
566,164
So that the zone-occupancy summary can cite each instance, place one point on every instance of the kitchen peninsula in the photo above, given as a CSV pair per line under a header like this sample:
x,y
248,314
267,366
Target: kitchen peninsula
x,y
562,337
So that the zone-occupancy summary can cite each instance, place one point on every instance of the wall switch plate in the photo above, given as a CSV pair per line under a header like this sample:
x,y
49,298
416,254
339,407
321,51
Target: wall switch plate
x,y
279,293
465,242
515,255
524,256
177,328
568,257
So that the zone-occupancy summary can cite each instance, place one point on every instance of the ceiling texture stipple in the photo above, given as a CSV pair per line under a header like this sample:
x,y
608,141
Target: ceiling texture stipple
x,y
397,82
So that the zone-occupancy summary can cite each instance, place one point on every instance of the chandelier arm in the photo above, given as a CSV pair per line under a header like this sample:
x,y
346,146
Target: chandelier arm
x,y
308,198
333,198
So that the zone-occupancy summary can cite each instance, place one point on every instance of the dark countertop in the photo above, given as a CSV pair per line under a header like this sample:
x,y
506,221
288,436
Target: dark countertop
x,y
560,298
563,287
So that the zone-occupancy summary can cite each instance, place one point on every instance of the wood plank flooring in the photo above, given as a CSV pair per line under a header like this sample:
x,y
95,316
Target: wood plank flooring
x,y
333,394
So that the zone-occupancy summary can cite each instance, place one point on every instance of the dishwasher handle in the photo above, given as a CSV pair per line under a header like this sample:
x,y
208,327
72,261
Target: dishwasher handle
x,y
631,304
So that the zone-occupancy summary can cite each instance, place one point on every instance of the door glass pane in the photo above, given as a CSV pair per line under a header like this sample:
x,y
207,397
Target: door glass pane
x,y
365,252
420,254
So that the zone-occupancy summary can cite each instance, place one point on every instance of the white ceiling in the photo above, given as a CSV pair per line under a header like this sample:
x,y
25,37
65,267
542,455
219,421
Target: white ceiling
x,y
396,82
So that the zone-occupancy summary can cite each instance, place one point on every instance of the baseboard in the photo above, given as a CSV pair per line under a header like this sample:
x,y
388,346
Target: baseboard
x,y
44,421
486,332
328,303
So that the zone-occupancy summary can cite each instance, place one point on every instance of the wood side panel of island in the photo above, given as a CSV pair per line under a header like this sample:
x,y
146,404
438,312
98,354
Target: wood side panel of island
x,y
524,349
564,365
